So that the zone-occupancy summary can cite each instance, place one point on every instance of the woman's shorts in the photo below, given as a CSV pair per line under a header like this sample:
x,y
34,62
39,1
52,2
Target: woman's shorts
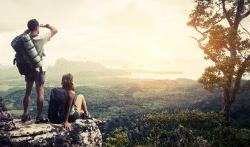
x,y
74,116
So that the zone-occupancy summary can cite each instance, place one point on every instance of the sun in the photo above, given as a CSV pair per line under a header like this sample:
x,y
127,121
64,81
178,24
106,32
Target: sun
x,y
155,52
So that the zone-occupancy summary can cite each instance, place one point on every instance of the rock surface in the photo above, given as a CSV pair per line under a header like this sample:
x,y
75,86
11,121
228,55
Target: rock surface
x,y
15,133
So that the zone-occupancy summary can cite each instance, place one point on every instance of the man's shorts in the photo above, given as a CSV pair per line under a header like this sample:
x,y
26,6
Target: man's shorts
x,y
36,76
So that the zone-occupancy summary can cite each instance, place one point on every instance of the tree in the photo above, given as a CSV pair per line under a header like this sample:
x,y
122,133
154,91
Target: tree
x,y
226,43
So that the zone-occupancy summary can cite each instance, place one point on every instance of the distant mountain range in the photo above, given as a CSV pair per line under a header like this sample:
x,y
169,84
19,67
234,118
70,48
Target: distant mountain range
x,y
86,72
84,68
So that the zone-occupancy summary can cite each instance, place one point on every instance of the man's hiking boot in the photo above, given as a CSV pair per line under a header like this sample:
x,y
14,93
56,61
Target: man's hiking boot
x,y
86,116
25,117
41,119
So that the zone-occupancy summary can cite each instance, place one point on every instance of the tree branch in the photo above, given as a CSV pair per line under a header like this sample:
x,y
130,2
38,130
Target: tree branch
x,y
239,75
240,5
244,29
226,13
199,42
204,36
247,13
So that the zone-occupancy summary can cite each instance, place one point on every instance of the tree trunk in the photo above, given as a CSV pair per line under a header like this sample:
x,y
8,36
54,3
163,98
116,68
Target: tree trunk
x,y
226,106
226,113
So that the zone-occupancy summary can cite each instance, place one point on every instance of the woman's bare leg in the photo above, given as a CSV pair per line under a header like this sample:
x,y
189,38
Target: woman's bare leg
x,y
81,105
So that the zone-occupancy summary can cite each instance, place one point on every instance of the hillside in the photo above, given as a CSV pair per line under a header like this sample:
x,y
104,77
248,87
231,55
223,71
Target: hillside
x,y
134,96
125,103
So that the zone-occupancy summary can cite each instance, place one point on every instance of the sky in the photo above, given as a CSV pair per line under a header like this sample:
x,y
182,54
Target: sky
x,y
140,34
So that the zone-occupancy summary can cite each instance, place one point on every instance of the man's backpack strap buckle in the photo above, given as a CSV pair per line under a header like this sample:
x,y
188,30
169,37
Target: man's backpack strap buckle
x,y
14,61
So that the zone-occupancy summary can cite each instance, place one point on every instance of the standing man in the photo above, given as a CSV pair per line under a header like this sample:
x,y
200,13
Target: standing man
x,y
37,76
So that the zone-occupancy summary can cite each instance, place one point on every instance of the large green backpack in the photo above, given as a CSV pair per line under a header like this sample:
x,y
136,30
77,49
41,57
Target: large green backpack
x,y
26,57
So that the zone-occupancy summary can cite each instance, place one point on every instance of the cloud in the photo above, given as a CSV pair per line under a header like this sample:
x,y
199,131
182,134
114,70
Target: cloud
x,y
127,30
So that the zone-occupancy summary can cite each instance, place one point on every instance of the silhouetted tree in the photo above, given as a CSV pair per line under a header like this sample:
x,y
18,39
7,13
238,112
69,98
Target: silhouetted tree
x,y
225,42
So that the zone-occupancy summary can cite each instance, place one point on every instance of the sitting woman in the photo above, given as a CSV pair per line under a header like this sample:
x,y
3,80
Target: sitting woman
x,y
64,106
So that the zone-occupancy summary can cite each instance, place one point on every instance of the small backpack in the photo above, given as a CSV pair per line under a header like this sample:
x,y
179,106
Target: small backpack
x,y
57,105
22,62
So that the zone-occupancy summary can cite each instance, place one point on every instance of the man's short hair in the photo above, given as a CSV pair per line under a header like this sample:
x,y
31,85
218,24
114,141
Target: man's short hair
x,y
32,24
